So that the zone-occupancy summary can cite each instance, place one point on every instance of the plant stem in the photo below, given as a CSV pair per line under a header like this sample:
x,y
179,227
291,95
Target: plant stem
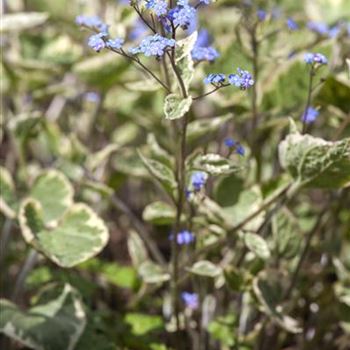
x,y
255,62
308,101
210,92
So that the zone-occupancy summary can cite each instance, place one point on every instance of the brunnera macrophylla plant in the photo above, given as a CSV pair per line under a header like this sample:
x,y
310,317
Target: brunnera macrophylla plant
x,y
228,272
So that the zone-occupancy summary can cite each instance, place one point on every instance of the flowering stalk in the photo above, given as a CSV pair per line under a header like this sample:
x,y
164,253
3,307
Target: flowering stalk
x,y
308,100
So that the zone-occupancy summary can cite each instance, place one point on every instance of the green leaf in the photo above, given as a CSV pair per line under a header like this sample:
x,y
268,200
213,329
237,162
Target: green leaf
x,y
314,162
248,202
56,325
159,213
25,124
286,234
152,273
78,236
16,22
8,200
205,268
257,245
184,62
94,160
267,293
159,153
161,172
204,127
176,107
214,164
54,193
222,330
142,323
137,249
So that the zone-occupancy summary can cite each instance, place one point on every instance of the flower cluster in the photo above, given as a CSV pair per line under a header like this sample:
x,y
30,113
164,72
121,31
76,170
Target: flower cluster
x,y
198,180
215,78
183,14
242,80
291,24
231,143
315,58
184,237
310,115
153,45
92,22
191,300
323,29
202,51
159,7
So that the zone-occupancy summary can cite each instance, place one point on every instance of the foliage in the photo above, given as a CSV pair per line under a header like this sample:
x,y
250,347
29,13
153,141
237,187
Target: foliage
x,y
175,175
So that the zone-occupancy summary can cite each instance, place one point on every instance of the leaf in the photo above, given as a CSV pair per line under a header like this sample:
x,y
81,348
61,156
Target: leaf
x,y
314,162
214,164
176,107
267,294
248,202
25,124
16,22
158,153
143,323
78,236
286,235
137,249
184,62
257,245
8,200
152,273
54,193
203,127
55,325
94,160
159,213
161,172
205,268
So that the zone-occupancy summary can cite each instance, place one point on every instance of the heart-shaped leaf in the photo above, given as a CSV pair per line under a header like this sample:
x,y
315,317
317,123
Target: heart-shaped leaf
x,y
214,164
54,193
79,234
257,245
314,162
205,268
55,325
176,107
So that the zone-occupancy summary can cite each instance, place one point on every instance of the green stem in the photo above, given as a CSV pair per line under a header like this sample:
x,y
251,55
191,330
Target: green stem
x,y
308,101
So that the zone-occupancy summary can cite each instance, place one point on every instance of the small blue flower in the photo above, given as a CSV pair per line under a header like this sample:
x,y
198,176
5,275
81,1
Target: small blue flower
x,y
315,58
115,43
92,22
159,7
191,300
318,27
198,180
242,80
154,45
204,54
183,16
310,115
292,25
138,30
261,15
334,31
215,78
231,143
92,96
96,42
185,237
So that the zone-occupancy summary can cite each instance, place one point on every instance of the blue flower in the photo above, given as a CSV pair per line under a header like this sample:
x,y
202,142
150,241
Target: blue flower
x,y
92,22
201,50
310,115
159,7
334,31
198,180
215,78
115,43
261,15
292,25
92,96
138,30
183,15
204,54
318,27
315,58
205,2
96,42
185,237
153,45
191,300
243,79
231,143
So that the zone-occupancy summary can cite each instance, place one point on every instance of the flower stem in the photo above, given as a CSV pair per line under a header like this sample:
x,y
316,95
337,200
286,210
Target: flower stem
x,y
308,101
